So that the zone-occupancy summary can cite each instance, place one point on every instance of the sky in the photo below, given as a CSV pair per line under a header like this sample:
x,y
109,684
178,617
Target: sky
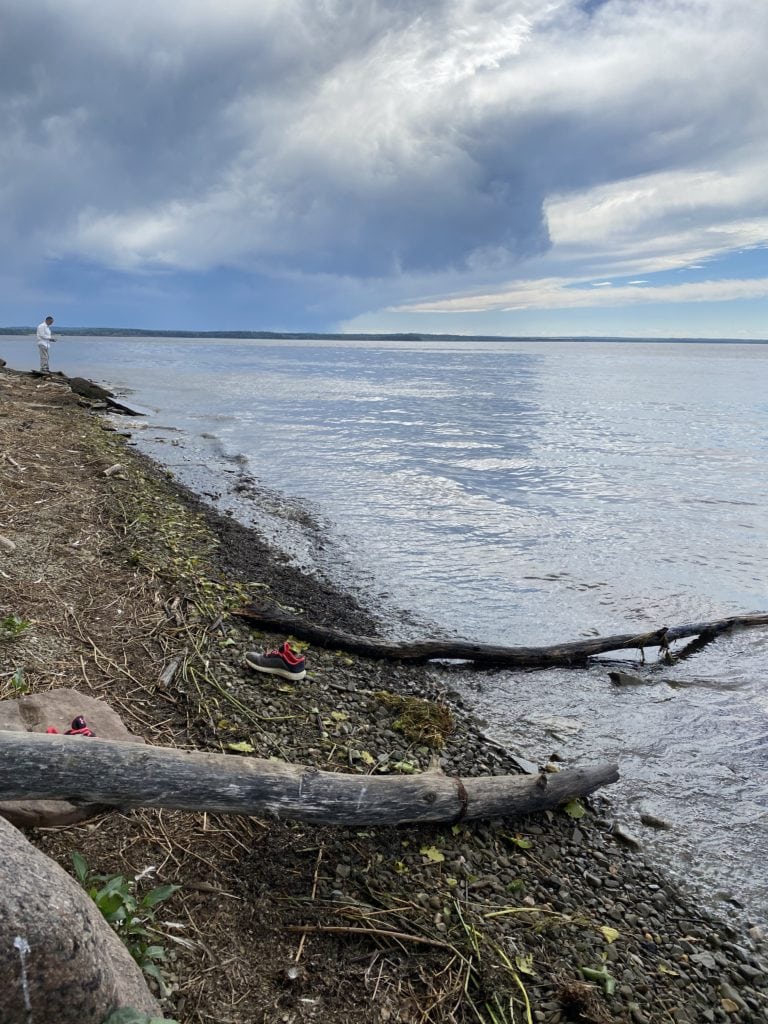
x,y
494,167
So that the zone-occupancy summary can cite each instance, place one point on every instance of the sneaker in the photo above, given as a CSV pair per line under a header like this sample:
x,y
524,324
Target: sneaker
x,y
282,662
79,727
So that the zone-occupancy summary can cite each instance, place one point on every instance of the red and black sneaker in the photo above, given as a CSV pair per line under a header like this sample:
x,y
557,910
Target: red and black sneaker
x,y
282,662
79,727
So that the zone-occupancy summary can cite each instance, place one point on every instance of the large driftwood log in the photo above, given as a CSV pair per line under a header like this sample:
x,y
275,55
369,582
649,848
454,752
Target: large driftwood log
x,y
573,653
125,774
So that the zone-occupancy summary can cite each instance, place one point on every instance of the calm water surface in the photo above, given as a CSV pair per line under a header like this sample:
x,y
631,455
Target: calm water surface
x,y
518,493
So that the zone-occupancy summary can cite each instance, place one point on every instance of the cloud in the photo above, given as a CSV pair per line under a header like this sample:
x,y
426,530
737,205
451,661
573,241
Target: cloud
x,y
564,294
296,137
384,150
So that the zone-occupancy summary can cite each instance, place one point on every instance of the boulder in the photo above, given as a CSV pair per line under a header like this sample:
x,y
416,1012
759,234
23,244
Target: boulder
x,y
88,389
96,393
59,959
35,712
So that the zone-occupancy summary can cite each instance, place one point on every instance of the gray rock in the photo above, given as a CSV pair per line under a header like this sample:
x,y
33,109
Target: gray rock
x,y
749,972
625,836
704,959
652,821
35,712
727,991
626,679
59,959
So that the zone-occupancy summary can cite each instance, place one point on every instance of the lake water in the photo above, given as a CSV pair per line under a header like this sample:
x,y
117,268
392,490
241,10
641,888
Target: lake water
x,y
518,493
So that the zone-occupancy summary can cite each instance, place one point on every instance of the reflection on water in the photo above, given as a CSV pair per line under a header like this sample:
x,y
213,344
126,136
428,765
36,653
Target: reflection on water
x,y
520,493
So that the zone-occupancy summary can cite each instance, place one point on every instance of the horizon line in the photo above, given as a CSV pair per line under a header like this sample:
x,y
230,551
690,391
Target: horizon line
x,y
371,335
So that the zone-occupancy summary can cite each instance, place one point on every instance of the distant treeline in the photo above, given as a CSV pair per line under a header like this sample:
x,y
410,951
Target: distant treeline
x,y
133,332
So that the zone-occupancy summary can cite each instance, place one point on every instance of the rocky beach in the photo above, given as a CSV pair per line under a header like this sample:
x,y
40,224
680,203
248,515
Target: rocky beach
x,y
126,587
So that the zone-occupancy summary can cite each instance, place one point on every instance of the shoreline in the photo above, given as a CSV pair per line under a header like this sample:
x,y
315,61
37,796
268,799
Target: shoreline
x,y
233,490
542,890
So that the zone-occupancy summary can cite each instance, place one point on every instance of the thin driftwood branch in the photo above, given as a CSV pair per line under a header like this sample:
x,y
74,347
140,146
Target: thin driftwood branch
x,y
89,770
575,652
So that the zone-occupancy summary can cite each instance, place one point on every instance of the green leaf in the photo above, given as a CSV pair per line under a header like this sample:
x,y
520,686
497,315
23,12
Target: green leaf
x,y
154,972
525,964
432,853
81,866
610,934
158,895
339,716
116,883
155,953
575,809
405,767
12,626
113,910
18,682
367,758
523,844
241,748
127,1015
663,969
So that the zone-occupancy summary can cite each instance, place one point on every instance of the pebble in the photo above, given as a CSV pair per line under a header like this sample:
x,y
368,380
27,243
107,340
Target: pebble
x,y
749,972
625,836
704,959
727,991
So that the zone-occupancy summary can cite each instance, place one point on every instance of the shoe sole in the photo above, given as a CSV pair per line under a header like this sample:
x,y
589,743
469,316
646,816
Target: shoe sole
x,y
284,673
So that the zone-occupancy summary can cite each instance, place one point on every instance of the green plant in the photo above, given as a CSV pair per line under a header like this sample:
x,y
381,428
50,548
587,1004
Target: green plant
x,y
17,682
127,1015
420,721
12,627
131,915
606,980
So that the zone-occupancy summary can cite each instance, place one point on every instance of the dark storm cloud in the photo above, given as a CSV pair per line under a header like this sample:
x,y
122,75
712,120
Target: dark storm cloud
x,y
248,135
372,140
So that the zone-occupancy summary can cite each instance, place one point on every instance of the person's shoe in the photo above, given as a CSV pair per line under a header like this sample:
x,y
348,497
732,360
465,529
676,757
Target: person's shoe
x,y
79,727
282,662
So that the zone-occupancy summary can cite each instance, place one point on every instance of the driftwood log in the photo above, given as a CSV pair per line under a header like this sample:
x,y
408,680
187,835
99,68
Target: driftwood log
x,y
573,653
42,766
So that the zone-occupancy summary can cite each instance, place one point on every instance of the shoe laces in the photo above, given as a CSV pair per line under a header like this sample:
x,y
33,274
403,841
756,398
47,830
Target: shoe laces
x,y
286,652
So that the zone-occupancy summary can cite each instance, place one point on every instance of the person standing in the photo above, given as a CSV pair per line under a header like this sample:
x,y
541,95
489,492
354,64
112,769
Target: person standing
x,y
44,339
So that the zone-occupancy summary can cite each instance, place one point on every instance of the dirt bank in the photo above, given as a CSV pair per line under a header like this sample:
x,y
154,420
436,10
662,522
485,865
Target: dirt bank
x,y
127,583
